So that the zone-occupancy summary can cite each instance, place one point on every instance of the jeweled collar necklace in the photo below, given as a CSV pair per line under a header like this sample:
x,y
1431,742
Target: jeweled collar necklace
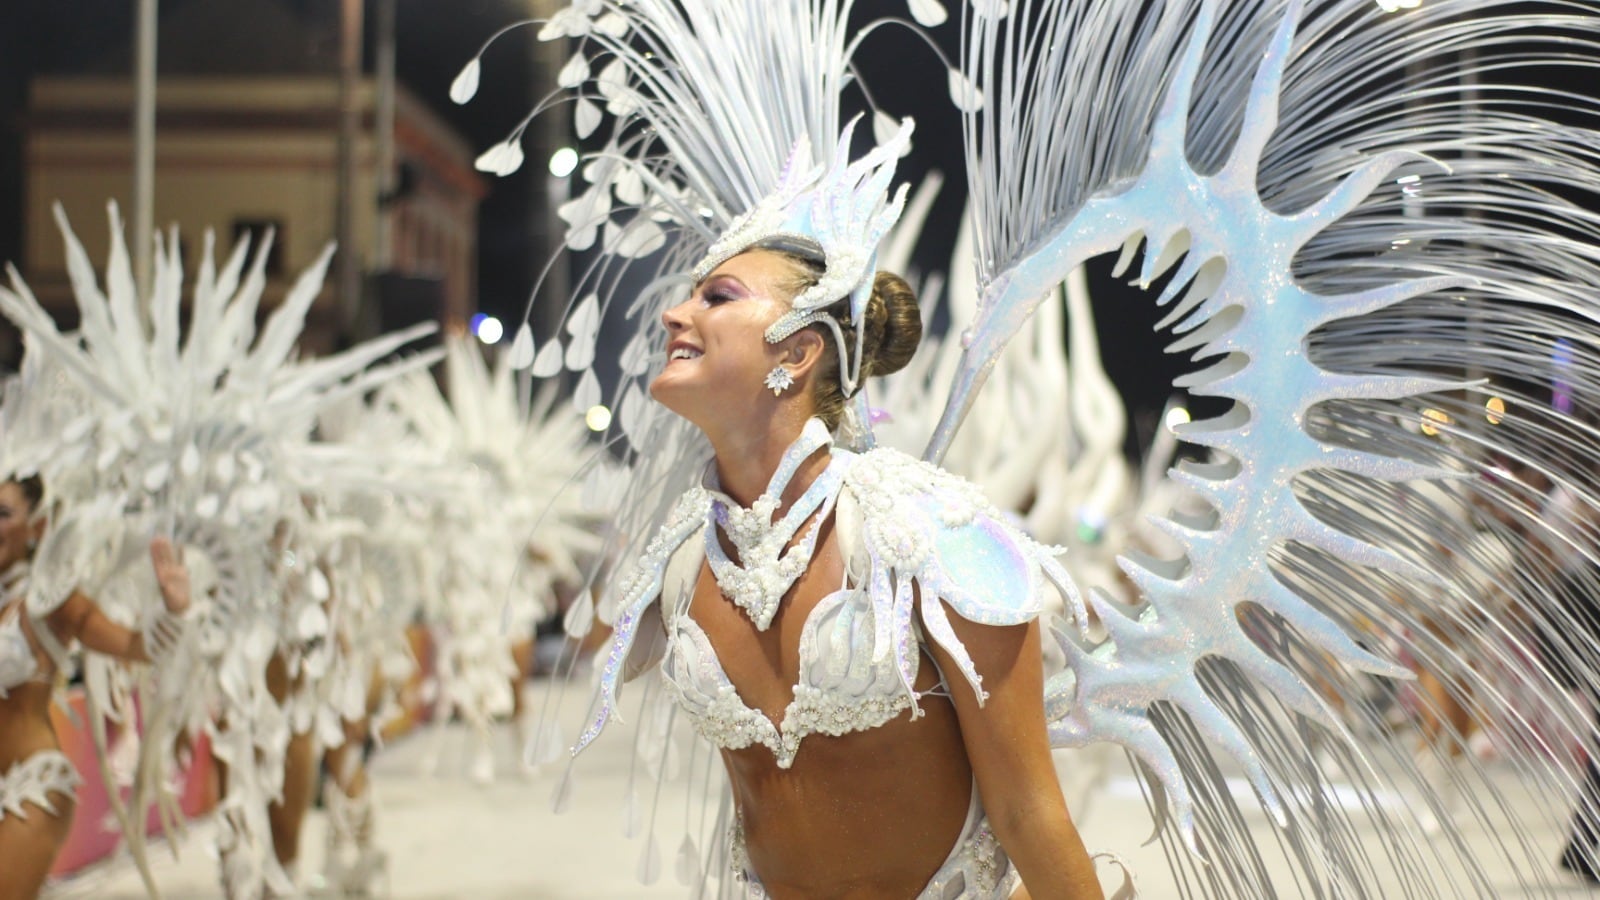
x,y
765,572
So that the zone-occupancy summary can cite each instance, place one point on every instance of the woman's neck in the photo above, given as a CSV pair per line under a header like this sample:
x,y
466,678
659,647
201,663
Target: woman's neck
x,y
11,578
747,459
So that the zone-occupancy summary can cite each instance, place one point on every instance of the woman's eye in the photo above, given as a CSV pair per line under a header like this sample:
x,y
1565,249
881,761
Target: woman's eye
x,y
715,297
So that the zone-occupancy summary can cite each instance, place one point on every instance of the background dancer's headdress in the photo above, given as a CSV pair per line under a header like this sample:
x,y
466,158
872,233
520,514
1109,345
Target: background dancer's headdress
x,y
517,458
203,434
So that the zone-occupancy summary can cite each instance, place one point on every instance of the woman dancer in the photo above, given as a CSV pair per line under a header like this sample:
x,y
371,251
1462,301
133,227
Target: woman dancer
x,y
36,779
862,786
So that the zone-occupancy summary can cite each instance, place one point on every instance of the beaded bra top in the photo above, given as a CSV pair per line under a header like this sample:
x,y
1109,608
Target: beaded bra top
x,y
18,665
841,688
916,539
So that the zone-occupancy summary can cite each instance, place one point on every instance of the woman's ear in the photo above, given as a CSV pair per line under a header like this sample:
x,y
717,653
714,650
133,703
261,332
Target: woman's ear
x,y
802,353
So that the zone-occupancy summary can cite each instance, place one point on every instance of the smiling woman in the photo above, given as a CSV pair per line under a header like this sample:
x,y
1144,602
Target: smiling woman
x,y
791,591
874,743
36,779
761,280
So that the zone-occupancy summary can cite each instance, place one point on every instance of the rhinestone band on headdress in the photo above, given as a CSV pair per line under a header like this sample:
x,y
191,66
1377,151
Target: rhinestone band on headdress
x,y
836,215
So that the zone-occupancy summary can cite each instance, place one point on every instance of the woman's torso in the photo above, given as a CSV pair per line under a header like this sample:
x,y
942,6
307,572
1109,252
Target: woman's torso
x,y
869,813
25,726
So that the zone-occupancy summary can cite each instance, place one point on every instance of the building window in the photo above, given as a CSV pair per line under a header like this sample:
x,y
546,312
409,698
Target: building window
x,y
256,231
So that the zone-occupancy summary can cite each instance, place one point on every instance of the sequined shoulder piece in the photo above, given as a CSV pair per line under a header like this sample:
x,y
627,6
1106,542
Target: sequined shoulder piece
x,y
921,525
638,591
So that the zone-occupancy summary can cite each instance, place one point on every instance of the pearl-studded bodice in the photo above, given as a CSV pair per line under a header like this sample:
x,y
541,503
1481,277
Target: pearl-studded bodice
x,y
18,665
841,688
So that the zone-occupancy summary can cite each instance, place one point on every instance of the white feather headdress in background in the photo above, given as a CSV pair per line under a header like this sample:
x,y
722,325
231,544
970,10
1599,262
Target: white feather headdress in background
x,y
203,434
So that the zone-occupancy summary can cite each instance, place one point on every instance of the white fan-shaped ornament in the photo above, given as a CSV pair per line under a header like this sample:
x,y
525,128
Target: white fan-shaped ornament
x,y
650,861
639,239
636,355
587,395
629,187
633,413
613,84
584,215
611,24
501,159
189,462
688,867
963,93
155,478
632,815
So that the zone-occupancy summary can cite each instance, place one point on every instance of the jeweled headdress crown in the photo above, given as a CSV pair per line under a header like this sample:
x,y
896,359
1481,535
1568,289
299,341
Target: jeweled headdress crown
x,y
836,215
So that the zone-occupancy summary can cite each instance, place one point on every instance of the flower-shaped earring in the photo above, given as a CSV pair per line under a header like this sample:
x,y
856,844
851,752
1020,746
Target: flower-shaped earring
x,y
779,380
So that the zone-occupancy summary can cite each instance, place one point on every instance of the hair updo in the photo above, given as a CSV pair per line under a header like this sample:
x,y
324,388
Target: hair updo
x,y
893,328
32,490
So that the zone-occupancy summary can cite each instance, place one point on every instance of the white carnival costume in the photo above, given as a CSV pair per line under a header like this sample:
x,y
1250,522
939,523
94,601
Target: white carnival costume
x,y
505,531
902,523
46,772
373,538
1356,238
203,434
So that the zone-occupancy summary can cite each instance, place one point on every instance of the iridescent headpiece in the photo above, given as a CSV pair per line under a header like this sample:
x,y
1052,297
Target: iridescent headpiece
x,y
835,215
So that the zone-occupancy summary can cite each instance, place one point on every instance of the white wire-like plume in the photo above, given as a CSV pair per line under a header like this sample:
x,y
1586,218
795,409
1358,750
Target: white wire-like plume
x,y
708,102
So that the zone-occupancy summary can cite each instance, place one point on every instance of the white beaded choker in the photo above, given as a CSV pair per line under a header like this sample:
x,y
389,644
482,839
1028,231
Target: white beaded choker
x,y
764,572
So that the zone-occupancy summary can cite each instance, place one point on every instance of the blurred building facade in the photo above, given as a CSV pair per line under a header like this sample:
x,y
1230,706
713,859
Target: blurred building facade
x,y
247,139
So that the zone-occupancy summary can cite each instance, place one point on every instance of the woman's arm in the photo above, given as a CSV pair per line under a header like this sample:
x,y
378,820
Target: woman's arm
x,y
81,619
1009,749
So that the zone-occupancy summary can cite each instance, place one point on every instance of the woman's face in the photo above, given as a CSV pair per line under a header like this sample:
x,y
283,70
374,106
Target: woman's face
x,y
717,353
17,529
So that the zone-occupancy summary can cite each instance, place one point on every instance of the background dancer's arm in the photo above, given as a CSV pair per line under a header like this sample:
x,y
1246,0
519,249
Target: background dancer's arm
x,y
80,618
1009,748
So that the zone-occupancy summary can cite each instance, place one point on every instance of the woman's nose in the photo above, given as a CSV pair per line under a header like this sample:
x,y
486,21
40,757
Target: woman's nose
x,y
675,318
